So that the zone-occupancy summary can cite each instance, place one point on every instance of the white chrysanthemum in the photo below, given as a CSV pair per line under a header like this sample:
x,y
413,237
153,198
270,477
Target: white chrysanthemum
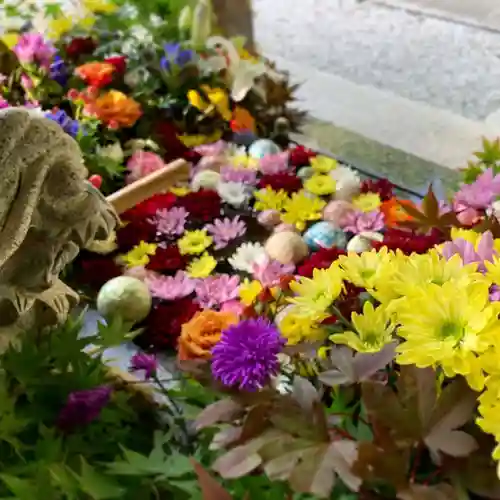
x,y
363,242
113,151
246,256
347,181
235,194
205,179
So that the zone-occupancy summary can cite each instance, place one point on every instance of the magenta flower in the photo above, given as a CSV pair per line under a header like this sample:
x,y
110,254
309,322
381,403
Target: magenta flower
x,y
480,194
274,164
170,287
144,362
358,222
143,163
32,48
269,272
485,250
215,149
247,354
83,407
223,231
170,222
216,290
238,174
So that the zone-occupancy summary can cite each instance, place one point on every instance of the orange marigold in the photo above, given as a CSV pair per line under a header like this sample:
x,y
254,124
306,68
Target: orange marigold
x,y
394,212
202,332
116,109
96,74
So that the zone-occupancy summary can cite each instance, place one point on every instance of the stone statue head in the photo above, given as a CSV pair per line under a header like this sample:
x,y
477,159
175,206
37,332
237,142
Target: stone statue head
x,y
48,212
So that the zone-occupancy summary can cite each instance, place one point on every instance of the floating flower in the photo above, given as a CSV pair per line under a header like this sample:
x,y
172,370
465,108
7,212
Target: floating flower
x,y
194,242
296,328
347,183
408,242
394,211
323,164
144,362
166,259
240,175
249,291
480,194
203,205
301,208
269,272
300,156
139,255
143,163
32,48
175,55
115,109
274,164
96,74
170,287
268,199
322,259
382,187
214,291
247,354
282,181
218,148
170,221
320,184
132,233
240,158
205,179
202,267
234,193
367,202
202,332
246,256
180,190
359,222
223,231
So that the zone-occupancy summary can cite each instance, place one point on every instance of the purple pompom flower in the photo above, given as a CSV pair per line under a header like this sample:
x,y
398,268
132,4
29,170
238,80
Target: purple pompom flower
x,y
83,407
144,362
247,354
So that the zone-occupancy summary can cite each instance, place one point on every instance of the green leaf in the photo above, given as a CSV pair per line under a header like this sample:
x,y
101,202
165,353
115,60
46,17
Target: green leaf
x,y
62,478
115,333
96,485
23,489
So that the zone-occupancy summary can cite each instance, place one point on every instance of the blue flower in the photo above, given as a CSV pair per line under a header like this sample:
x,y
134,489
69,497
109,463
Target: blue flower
x,y
175,54
70,126
59,71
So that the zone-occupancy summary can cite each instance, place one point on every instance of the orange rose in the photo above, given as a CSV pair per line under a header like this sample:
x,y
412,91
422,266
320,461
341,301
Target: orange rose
x,y
96,74
394,212
202,332
115,109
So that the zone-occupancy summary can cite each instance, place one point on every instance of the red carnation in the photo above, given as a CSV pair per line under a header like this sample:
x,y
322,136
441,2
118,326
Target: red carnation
x,y
119,62
322,259
80,46
408,241
133,233
166,134
167,259
163,325
349,301
300,156
383,187
203,205
95,271
149,207
283,180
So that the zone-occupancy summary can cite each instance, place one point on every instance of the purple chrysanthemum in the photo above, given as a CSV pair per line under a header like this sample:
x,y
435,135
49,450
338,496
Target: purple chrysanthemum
x,y
247,354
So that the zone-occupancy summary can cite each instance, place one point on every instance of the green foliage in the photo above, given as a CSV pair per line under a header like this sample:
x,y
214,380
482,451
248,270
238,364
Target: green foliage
x,y
488,157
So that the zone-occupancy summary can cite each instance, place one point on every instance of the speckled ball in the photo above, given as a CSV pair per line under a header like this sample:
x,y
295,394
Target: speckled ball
x,y
324,235
286,247
263,147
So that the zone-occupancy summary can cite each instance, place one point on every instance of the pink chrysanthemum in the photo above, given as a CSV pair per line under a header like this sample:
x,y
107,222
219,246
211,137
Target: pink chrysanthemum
x,y
270,271
170,287
170,222
223,231
216,290
238,174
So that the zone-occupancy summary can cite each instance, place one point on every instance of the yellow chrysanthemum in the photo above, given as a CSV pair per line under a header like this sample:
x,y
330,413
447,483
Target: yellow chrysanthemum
x,y
367,202
493,270
268,199
180,190
448,326
10,39
472,237
217,98
301,209
249,291
373,330
296,328
320,184
313,296
139,255
194,242
323,164
191,141
202,267
244,161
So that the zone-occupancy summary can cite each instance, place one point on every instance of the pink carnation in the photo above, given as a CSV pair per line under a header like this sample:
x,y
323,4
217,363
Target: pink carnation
x,y
239,174
143,163
217,290
274,164
359,222
170,287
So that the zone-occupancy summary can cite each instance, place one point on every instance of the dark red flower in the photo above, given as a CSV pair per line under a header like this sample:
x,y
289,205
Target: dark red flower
x,y
80,46
149,207
283,180
164,323
167,259
383,187
203,205
96,270
119,62
133,233
300,156
409,241
321,259
348,301
166,134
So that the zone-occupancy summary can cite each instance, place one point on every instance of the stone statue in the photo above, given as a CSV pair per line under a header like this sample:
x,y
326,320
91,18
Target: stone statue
x,y
48,212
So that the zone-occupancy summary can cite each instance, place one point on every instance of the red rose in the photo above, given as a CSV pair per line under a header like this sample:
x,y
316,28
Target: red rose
x,y
322,259
133,233
164,323
80,46
300,156
149,207
203,205
167,259
119,62
96,270
382,186
408,241
283,180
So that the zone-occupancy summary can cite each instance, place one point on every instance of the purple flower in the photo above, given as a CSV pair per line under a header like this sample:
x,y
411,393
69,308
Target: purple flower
x,y
144,362
223,231
32,48
83,407
175,54
494,293
70,126
358,222
170,287
478,195
247,354
241,175
469,254
59,71
170,222
274,164
216,290
270,271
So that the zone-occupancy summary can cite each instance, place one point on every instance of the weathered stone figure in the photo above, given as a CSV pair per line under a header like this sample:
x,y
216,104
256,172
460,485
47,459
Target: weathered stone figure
x,y
48,212
235,18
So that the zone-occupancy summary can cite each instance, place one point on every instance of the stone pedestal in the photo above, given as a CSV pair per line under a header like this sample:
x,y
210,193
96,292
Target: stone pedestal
x,y
234,18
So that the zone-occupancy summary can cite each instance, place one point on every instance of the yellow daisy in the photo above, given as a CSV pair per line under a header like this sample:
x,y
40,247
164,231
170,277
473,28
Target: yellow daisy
x,y
323,164
194,242
367,202
320,184
202,267
139,255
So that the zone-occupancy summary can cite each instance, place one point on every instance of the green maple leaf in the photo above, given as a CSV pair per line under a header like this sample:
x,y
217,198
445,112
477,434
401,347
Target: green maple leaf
x,y
490,155
97,485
